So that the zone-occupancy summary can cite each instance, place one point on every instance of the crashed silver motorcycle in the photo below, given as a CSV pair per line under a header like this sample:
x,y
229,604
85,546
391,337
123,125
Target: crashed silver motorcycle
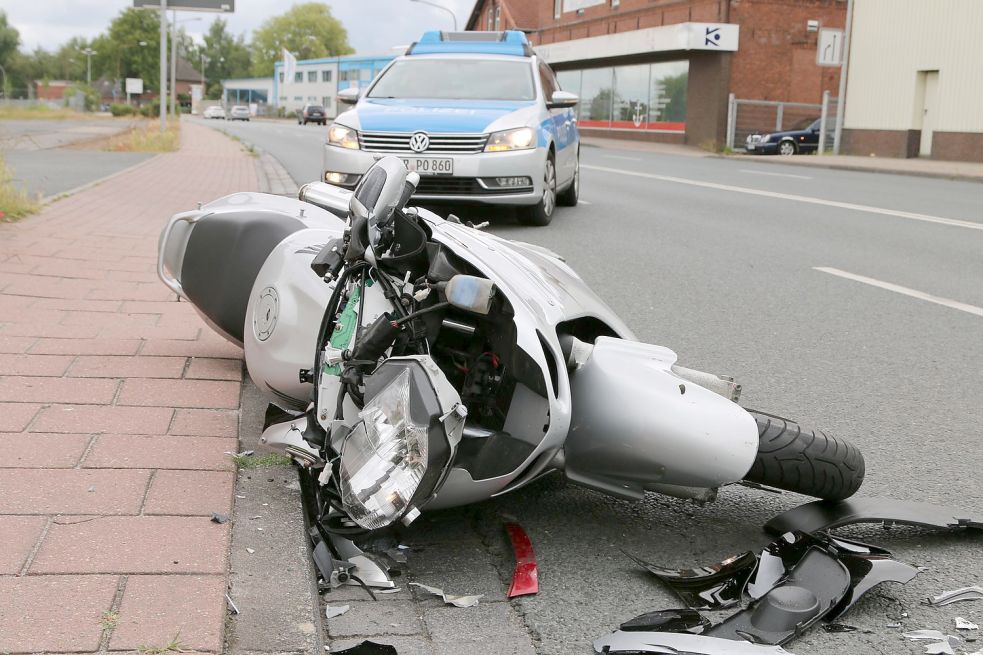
x,y
416,363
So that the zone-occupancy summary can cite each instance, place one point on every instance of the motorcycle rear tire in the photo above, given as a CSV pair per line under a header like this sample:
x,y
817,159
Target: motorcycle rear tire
x,y
805,461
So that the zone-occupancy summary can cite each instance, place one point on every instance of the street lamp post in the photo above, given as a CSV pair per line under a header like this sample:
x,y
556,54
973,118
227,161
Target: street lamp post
x,y
88,52
434,4
163,65
174,22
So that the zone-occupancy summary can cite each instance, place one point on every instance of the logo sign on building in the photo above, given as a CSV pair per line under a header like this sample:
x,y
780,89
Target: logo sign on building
x,y
222,6
712,36
577,5
829,51
134,85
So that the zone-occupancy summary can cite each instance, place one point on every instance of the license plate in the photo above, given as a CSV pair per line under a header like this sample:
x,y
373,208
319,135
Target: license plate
x,y
429,166
750,146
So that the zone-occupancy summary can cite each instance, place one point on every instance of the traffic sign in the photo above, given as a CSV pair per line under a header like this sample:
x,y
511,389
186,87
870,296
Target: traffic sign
x,y
222,6
829,48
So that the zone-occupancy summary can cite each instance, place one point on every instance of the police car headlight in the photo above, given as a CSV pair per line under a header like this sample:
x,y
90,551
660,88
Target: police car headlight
x,y
522,138
343,137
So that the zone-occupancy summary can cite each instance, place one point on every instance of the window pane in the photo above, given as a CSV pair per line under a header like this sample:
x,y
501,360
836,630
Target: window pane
x,y
281,77
325,76
631,97
595,98
298,77
668,96
462,79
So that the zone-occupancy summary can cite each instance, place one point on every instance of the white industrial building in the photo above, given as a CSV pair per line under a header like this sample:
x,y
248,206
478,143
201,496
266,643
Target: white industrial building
x,y
915,80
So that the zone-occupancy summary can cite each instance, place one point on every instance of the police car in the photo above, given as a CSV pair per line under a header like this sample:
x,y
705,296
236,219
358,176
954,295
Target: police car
x,y
476,114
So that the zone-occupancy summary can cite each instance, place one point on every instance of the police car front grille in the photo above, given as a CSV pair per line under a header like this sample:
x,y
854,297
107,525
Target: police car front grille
x,y
445,185
440,144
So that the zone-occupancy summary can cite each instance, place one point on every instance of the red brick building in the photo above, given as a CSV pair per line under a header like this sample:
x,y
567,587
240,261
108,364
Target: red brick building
x,y
663,69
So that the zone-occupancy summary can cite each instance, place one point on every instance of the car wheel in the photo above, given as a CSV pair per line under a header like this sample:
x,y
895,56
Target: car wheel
x,y
542,212
787,148
569,196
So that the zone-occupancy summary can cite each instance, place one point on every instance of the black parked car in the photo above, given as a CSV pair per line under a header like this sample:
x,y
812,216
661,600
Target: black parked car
x,y
312,114
802,138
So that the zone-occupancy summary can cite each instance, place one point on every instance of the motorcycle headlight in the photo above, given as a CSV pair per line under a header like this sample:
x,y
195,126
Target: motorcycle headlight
x,y
343,137
393,459
521,138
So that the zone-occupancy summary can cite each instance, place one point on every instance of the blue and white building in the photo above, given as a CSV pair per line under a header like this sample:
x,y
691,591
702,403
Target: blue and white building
x,y
315,81
318,80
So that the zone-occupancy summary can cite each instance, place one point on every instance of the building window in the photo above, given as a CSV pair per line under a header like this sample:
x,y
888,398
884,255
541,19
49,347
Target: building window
x,y
281,77
638,97
615,4
312,76
325,76
557,8
312,99
298,77
298,98
488,22
498,18
326,101
283,98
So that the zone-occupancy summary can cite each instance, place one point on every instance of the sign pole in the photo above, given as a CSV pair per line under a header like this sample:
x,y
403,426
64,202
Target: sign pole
x,y
841,101
163,65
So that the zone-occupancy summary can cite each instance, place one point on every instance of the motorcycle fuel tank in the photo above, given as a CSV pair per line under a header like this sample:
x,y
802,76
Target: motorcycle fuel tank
x,y
637,425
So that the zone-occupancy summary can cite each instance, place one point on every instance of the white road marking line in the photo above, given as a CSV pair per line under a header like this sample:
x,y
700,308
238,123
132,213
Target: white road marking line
x,y
584,202
921,295
748,170
622,157
790,196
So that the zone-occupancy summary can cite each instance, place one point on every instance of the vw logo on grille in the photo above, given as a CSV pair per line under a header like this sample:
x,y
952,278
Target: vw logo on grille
x,y
419,142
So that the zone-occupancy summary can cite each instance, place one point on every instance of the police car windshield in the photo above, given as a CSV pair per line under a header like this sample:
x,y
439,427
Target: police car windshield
x,y
456,79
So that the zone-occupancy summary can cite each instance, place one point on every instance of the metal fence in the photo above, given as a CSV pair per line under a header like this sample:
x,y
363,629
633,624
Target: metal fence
x,y
746,117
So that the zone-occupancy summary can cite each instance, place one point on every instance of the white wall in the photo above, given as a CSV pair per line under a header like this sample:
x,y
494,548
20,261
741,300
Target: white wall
x,y
317,92
894,39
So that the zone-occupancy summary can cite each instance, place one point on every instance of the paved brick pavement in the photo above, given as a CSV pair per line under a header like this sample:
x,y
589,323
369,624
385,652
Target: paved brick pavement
x,y
116,406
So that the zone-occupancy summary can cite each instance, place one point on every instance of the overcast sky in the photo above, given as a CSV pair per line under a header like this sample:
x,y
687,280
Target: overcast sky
x,y
373,25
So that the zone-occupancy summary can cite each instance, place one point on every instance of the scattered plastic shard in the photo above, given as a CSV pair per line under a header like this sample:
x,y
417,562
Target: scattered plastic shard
x,y
963,624
250,550
245,453
839,627
812,589
823,515
956,595
678,642
456,601
394,590
866,572
933,635
893,625
232,606
219,518
940,648
712,587
681,620
330,612
367,568
525,578
368,648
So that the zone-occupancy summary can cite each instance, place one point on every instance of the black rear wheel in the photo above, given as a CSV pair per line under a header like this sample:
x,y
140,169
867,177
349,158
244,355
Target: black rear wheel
x,y
805,461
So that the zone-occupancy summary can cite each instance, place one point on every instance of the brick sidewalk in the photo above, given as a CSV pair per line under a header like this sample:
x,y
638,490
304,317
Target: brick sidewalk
x,y
116,406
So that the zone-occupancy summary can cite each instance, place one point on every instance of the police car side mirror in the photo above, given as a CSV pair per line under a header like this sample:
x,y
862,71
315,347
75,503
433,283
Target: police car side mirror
x,y
562,100
349,96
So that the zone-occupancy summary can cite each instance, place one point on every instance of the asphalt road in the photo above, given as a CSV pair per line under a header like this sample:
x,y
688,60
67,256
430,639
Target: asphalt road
x,y
718,259
41,163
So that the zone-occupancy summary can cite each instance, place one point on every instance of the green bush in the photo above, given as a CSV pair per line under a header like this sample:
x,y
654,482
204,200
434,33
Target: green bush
x,y
151,110
89,94
121,110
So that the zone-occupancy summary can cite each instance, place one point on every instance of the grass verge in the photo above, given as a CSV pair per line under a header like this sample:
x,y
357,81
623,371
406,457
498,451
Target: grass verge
x,y
263,461
147,137
36,112
14,203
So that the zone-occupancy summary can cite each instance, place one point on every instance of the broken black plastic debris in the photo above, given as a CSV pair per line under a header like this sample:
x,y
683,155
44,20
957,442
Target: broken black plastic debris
x,y
717,586
219,518
679,620
368,648
824,515
839,627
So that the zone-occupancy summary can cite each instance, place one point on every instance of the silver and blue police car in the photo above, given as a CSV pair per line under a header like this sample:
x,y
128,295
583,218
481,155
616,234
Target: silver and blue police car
x,y
476,114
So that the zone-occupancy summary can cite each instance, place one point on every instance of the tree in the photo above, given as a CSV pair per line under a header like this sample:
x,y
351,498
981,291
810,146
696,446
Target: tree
x,y
307,30
226,55
9,40
124,56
